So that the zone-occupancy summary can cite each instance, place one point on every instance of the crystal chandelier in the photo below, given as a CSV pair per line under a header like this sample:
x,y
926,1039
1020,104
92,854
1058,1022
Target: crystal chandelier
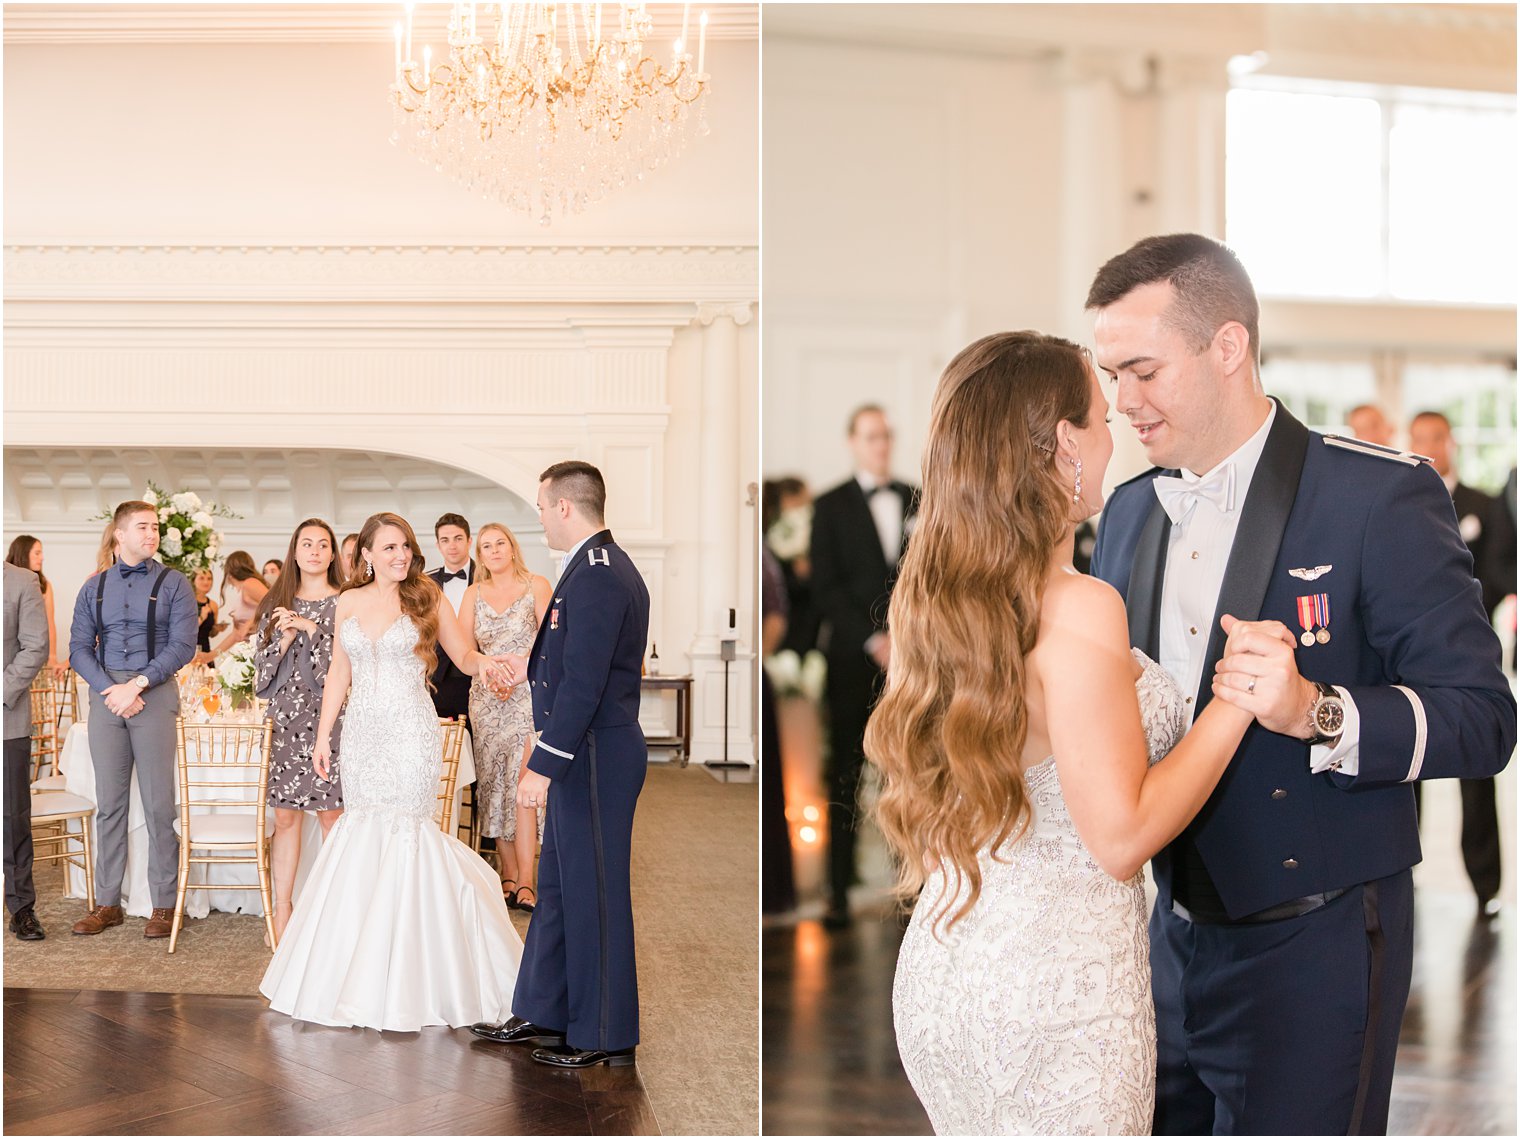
x,y
549,111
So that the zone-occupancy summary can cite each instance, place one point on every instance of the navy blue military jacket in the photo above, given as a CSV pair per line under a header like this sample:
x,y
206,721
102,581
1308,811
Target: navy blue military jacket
x,y
1408,639
586,662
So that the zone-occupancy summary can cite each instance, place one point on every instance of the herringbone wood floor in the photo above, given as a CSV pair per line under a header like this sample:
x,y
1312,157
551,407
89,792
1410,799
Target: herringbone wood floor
x,y
155,1064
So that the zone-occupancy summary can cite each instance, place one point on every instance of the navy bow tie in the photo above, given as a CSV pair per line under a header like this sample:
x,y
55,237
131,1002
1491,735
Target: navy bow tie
x,y
128,571
446,576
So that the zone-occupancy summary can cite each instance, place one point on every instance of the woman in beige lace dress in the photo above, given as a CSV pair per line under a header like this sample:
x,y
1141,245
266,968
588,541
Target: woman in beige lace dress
x,y
502,611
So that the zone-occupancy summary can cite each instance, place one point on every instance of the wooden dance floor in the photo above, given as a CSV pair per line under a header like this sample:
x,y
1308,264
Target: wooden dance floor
x,y
831,1065
154,1064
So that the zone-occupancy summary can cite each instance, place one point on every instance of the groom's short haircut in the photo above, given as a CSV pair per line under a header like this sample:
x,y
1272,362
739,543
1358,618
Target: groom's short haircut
x,y
1211,284
581,483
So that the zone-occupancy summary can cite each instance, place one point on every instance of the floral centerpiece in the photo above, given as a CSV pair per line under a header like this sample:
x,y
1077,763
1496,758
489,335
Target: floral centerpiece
x,y
188,538
235,673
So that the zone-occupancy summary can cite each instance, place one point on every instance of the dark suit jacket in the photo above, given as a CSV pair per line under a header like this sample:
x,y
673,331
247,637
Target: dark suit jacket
x,y
451,688
852,582
1409,641
1471,503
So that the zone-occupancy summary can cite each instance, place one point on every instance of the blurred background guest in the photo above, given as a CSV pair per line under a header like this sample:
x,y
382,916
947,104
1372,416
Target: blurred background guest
x,y
272,570
1430,435
26,553
26,652
1367,422
295,648
787,518
105,556
205,609
778,892
501,611
346,555
451,688
860,529
248,587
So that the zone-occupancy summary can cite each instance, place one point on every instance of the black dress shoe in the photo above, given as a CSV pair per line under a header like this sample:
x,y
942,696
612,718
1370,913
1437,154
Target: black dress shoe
x,y
25,926
563,1057
518,1031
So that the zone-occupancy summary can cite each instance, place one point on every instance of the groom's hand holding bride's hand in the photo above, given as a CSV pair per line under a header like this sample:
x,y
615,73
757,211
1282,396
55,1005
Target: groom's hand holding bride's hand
x,y
1259,674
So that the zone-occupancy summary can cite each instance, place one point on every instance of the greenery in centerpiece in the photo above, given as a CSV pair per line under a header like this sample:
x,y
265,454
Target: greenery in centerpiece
x,y
235,673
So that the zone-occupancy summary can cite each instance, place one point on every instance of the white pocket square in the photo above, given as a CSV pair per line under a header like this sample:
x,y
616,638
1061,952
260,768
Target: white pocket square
x,y
1310,574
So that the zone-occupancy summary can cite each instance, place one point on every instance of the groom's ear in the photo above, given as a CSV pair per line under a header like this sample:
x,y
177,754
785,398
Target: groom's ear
x,y
1233,345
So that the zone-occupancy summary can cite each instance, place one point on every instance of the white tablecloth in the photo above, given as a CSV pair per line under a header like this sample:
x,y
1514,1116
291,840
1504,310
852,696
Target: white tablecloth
x,y
79,778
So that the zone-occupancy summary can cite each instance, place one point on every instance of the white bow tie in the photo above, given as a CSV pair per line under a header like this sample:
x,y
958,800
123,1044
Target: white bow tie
x,y
1178,495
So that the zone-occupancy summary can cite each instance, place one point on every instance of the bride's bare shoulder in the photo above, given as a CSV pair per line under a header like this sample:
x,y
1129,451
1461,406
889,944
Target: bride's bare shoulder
x,y
1081,603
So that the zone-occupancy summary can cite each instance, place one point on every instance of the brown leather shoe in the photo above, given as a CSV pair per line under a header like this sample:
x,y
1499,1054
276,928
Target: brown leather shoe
x,y
100,919
160,923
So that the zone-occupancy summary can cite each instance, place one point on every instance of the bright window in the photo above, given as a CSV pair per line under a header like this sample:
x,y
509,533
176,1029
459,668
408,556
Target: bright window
x,y
1373,193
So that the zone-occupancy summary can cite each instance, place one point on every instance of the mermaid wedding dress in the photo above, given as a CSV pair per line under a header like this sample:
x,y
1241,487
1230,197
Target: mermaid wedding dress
x,y
1033,1014
398,925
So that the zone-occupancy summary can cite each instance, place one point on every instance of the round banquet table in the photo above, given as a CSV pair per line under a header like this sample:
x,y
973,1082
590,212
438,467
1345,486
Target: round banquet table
x,y
78,771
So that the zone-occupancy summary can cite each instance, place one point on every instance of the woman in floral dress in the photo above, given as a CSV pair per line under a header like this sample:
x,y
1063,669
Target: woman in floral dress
x,y
294,649
502,611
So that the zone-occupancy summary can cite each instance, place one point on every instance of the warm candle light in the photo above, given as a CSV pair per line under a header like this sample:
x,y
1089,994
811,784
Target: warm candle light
x,y
702,45
685,23
409,33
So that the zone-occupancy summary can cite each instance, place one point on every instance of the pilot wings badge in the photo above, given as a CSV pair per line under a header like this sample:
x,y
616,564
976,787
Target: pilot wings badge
x,y
1310,574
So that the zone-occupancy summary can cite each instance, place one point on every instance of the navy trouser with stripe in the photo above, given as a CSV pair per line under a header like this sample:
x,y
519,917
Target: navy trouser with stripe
x,y
1264,1029
577,972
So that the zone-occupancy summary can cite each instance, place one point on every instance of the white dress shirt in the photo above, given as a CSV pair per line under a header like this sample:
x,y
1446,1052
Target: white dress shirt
x,y
1197,554
454,588
887,512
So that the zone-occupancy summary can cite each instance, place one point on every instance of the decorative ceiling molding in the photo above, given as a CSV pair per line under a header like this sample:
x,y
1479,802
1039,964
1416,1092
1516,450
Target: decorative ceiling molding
x,y
288,23
427,273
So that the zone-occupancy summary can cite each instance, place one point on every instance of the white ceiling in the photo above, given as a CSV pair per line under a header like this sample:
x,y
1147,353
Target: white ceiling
x,y
271,489
330,23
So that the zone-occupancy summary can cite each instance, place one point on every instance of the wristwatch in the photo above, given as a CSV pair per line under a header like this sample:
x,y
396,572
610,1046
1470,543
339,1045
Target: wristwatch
x,y
141,681
1327,715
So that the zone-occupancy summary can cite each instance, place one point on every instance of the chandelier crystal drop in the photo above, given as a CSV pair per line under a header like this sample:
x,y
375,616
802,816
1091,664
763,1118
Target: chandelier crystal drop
x,y
549,110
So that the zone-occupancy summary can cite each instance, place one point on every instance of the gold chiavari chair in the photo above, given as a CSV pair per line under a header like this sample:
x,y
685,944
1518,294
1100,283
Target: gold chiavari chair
x,y
54,840
44,726
68,704
453,744
217,760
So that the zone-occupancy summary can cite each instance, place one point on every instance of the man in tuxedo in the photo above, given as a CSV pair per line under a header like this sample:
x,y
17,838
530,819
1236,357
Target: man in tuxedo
x,y
26,651
577,992
860,530
1282,937
1430,436
451,688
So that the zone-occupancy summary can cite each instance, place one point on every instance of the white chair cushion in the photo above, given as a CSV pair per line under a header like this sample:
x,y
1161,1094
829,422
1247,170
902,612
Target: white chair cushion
x,y
225,828
46,803
50,783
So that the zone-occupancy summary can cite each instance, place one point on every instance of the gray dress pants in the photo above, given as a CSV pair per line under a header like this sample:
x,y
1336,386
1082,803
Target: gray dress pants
x,y
144,741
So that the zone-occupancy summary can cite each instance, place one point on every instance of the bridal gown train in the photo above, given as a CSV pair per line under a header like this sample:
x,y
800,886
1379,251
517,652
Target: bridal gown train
x,y
1033,1014
398,925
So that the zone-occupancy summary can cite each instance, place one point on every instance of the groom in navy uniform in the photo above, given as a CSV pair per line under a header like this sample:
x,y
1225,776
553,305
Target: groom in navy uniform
x,y
577,993
1281,940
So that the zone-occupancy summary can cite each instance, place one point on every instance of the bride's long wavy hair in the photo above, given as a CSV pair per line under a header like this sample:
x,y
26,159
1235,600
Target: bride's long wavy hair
x,y
419,593
949,731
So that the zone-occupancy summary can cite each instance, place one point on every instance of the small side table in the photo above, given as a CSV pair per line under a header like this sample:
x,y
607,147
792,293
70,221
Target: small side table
x,y
681,686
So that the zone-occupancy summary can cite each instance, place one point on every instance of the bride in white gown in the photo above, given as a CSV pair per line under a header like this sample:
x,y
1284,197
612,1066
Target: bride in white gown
x,y
1014,737
398,926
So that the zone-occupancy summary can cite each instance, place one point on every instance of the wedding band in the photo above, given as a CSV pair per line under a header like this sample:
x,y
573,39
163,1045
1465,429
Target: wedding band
x,y
1251,686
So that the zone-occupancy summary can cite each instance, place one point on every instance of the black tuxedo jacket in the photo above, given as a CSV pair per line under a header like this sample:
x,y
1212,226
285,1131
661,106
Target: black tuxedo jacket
x,y
1409,641
451,688
1473,509
852,581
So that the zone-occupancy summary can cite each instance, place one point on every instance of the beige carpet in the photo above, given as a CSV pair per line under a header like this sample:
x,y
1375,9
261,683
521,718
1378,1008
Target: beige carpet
x,y
695,892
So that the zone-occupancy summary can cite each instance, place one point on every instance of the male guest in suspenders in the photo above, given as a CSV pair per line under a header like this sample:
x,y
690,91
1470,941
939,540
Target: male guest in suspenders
x,y
1282,938
26,651
133,629
451,688
860,530
577,993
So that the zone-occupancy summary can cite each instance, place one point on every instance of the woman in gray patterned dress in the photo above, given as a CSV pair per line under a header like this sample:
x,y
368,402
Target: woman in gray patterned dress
x,y
502,611
294,648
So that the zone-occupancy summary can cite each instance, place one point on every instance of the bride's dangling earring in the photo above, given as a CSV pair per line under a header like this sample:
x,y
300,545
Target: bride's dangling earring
x,y
369,569
1076,495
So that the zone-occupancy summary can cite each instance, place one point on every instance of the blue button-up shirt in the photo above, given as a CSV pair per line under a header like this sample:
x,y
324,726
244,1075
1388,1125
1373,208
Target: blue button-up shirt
x,y
123,627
